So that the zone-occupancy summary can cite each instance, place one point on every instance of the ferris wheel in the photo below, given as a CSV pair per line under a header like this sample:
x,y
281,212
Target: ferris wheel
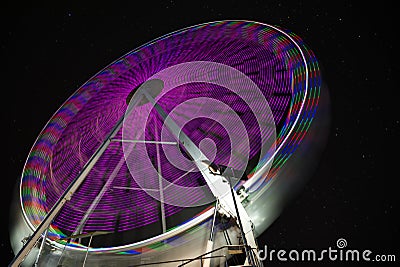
x,y
174,153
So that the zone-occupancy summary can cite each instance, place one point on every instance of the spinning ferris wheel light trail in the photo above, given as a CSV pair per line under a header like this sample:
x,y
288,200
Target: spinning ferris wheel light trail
x,y
183,146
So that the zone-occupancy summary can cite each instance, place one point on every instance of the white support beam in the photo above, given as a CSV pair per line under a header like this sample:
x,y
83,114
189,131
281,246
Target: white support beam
x,y
144,141
160,187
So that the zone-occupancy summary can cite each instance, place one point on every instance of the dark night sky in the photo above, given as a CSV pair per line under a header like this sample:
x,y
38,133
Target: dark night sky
x,y
48,52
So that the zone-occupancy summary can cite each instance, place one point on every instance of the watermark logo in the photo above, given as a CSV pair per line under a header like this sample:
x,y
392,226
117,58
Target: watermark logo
x,y
341,243
338,253
151,119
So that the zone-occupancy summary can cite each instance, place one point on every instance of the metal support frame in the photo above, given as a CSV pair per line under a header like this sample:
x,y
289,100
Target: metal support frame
x,y
87,250
71,189
62,252
69,238
160,186
217,184
210,242
145,141
41,247
249,255
214,219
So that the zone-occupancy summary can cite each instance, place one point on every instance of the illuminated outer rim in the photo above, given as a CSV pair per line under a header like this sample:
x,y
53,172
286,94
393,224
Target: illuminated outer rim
x,y
305,97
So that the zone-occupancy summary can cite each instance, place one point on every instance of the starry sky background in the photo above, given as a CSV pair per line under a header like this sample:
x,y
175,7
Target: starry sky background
x,y
48,52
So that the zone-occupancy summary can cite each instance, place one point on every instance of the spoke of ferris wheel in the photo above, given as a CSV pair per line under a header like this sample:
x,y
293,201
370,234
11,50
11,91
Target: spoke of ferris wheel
x,y
160,186
144,141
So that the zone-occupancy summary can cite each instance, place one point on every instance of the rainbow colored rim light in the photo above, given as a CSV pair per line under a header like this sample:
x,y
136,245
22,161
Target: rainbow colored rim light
x,y
277,60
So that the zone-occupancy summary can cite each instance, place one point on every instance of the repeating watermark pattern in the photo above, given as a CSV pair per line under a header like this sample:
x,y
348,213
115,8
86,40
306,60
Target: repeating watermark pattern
x,y
338,253
148,99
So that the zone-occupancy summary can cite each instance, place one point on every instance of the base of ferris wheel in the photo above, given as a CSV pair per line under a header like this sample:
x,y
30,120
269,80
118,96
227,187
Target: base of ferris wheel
x,y
231,243
237,251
